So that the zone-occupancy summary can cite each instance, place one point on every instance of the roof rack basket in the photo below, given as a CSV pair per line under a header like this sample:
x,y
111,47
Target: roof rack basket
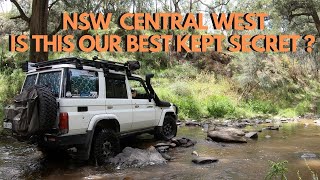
x,y
129,66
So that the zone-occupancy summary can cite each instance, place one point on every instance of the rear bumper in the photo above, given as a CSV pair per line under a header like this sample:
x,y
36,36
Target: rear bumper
x,y
82,143
67,140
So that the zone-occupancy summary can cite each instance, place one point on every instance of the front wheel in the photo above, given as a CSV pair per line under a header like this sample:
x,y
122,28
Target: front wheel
x,y
106,144
168,130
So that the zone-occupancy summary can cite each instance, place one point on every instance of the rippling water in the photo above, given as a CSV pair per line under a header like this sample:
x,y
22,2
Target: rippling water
x,y
236,161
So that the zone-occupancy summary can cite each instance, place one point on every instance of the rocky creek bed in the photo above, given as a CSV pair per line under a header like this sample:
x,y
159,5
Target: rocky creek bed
x,y
209,150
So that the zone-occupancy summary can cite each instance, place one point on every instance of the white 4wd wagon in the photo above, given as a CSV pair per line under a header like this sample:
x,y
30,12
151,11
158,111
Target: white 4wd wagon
x,y
86,106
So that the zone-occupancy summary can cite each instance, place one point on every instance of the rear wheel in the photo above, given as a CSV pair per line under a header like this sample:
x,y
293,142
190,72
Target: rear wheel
x,y
168,130
105,145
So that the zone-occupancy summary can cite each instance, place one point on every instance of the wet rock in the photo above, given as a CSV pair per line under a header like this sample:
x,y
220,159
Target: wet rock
x,y
285,120
189,144
166,156
317,121
233,131
183,142
275,128
241,125
252,135
204,160
195,153
309,156
192,123
173,145
175,141
227,135
133,157
309,116
258,121
179,123
268,121
163,149
267,136
161,144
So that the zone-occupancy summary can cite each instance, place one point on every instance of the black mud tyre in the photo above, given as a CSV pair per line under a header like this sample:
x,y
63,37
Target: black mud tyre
x,y
48,109
168,130
105,144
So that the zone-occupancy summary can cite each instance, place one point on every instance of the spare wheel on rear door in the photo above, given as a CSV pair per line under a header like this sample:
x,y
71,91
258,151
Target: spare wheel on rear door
x,y
36,111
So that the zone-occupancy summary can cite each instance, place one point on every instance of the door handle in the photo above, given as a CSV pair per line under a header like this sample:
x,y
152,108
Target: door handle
x,y
136,106
149,106
109,107
82,108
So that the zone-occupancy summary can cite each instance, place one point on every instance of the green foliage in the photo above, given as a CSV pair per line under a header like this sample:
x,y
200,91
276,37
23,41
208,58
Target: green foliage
x,y
277,170
303,107
181,95
183,71
288,112
220,106
10,85
261,106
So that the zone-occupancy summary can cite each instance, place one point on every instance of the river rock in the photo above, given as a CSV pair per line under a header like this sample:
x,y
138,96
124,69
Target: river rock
x,y
162,149
252,135
275,128
204,160
133,157
173,145
309,156
183,142
227,135
195,153
192,123
166,156
161,144
267,136
268,121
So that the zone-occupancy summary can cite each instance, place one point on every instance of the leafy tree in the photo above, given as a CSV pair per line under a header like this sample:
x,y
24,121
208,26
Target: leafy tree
x,y
300,13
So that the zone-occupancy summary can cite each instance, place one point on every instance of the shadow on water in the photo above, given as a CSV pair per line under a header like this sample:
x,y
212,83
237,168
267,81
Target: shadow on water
x,y
297,143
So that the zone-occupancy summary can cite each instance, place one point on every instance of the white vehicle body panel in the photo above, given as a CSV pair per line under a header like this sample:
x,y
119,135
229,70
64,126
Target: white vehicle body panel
x,y
132,114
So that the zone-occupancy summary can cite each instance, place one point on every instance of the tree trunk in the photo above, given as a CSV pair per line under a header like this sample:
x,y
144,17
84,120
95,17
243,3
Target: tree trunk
x,y
316,19
38,26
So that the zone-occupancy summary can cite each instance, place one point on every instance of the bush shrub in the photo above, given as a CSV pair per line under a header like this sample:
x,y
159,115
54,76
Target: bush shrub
x,y
265,107
303,107
220,106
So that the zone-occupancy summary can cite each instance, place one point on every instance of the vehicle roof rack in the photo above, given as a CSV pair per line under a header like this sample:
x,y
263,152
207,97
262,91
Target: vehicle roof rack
x,y
129,66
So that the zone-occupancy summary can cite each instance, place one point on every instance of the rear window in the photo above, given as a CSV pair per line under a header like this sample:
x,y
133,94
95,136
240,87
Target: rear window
x,y
52,80
30,81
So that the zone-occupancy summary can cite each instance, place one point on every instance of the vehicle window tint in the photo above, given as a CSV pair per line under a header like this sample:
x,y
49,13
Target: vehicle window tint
x,y
83,83
30,81
51,80
138,90
116,87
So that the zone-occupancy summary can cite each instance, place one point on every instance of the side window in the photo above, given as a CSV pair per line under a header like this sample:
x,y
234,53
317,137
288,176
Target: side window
x,y
116,87
82,83
30,81
138,89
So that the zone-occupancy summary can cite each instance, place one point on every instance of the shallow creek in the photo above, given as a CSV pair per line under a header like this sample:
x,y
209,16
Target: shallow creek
x,y
298,143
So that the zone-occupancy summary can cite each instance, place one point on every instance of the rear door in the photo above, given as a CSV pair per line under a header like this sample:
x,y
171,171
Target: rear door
x,y
82,98
143,110
117,100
